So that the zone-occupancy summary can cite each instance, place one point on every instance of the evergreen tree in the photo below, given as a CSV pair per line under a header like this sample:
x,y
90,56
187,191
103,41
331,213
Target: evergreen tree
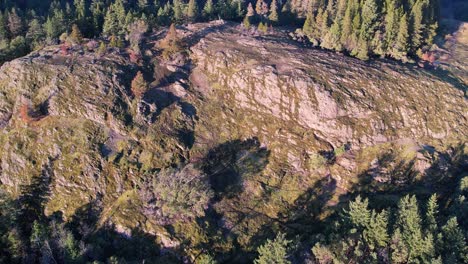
x,y
431,215
376,234
309,25
171,43
416,22
369,16
15,24
398,249
401,48
76,37
332,37
97,13
391,24
192,10
177,11
359,214
273,17
139,85
102,49
259,8
35,31
274,251
208,10
453,243
347,24
409,222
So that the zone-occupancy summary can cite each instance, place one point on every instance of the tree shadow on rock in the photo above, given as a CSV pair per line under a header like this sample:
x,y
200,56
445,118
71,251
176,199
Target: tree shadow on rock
x,y
228,164
305,214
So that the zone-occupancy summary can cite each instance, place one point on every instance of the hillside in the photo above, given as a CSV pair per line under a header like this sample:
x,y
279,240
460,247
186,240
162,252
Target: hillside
x,y
275,137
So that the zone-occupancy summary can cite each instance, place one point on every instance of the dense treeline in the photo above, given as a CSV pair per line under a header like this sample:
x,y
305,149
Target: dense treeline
x,y
403,230
394,28
411,230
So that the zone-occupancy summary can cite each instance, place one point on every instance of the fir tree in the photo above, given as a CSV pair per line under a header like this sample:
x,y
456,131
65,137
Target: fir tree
x,y
259,7
273,17
274,251
431,215
102,49
76,37
177,11
453,243
35,31
15,24
192,10
208,10
139,85
347,24
171,43
416,19
400,48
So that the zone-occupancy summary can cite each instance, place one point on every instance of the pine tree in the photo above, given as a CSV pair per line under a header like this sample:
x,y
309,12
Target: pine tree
x,y
102,49
309,24
332,38
359,214
391,25
177,11
409,222
192,10
205,259
15,24
76,37
398,248
369,16
35,31
115,19
416,19
246,22
139,85
401,48
208,10
362,50
453,243
347,24
97,13
431,215
80,9
376,235
259,7
273,17
171,43
275,251
250,11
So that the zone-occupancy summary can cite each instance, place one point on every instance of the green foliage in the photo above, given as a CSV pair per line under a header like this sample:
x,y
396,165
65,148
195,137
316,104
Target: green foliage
x,y
139,85
369,27
274,251
76,37
208,10
177,194
205,259
452,243
192,10
262,27
171,44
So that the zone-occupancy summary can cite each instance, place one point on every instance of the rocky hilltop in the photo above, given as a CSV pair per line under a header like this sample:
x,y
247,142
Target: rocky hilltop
x,y
262,117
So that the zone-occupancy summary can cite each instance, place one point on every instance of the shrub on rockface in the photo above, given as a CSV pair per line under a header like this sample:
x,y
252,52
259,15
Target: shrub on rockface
x,y
139,85
172,195
171,44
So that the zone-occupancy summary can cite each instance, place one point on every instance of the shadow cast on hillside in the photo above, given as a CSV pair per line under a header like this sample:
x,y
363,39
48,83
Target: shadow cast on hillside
x,y
228,164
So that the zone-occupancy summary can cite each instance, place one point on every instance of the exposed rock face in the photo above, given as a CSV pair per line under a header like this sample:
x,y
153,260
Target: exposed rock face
x,y
341,99
257,112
